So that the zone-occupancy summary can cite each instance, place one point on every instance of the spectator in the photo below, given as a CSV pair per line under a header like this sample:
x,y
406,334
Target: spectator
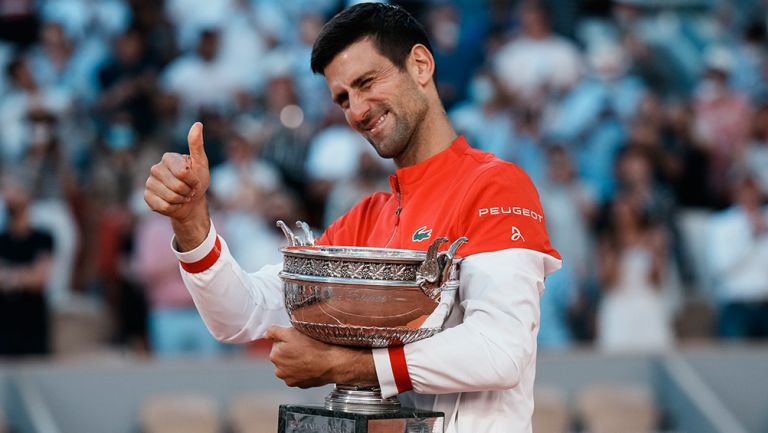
x,y
486,118
750,61
240,186
25,263
60,62
737,252
127,82
455,38
689,161
288,132
334,157
633,314
537,62
756,154
54,190
570,208
200,80
722,121
174,325
19,22
110,235
25,97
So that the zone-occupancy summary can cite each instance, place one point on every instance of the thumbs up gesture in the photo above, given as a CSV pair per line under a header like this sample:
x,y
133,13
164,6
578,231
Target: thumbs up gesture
x,y
176,188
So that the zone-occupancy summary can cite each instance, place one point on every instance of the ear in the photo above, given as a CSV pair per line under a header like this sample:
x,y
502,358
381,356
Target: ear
x,y
421,64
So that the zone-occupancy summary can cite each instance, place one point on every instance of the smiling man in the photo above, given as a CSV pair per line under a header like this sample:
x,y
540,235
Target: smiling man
x,y
479,371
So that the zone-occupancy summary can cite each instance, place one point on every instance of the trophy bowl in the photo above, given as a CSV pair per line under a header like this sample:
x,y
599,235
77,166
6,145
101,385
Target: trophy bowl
x,y
367,297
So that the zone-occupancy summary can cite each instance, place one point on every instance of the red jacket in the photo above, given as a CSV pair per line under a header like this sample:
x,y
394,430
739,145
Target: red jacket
x,y
460,192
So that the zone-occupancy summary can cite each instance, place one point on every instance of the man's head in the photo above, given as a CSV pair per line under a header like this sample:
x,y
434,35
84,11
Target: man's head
x,y
208,44
392,30
379,67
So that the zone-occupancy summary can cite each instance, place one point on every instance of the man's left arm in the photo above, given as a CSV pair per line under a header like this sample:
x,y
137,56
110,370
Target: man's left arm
x,y
495,343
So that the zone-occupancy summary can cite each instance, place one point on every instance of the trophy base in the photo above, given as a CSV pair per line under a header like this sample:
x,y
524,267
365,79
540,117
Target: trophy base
x,y
360,399
317,419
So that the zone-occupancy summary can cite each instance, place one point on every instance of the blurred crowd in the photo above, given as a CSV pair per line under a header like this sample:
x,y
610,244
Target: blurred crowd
x,y
643,123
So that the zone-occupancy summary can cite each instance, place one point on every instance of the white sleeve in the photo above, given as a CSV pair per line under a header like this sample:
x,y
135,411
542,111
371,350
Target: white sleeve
x,y
236,306
730,235
495,343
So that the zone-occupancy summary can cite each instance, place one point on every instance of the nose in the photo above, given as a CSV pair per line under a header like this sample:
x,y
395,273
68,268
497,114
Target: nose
x,y
358,111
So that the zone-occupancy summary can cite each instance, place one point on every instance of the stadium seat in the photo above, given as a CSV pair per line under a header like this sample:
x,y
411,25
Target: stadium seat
x,y
617,408
254,413
80,330
180,413
550,413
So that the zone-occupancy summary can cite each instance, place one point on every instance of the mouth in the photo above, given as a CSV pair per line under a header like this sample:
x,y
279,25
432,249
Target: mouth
x,y
373,126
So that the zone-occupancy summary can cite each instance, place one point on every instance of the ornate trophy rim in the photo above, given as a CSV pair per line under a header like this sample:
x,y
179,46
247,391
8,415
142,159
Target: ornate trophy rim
x,y
302,278
356,254
363,336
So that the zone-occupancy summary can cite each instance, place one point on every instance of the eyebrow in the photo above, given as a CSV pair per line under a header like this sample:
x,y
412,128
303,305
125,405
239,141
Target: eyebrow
x,y
357,82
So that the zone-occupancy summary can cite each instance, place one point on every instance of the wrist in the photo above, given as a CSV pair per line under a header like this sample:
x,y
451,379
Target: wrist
x,y
192,230
353,366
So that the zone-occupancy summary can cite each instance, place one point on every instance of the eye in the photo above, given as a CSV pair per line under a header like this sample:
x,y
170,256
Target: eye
x,y
366,84
342,100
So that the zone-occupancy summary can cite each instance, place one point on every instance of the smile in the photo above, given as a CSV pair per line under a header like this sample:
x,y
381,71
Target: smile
x,y
378,122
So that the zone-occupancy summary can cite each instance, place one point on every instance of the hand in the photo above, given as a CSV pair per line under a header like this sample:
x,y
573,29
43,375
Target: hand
x,y
305,362
176,188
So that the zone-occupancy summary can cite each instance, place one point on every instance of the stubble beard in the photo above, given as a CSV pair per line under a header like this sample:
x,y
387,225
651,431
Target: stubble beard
x,y
405,125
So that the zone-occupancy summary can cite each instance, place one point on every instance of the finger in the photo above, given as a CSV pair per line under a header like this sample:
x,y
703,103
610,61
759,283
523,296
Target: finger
x,y
178,167
271,334
159,205
196,145
164,192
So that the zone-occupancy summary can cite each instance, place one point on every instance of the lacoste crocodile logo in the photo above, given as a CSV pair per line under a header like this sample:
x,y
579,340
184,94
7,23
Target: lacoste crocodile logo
x,y
421,234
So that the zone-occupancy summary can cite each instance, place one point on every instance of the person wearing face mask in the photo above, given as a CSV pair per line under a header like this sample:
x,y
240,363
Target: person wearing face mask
x,y
25,263
722,120
479,371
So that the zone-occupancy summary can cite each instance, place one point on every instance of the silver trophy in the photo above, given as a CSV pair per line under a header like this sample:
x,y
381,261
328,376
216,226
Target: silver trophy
x,y
366,297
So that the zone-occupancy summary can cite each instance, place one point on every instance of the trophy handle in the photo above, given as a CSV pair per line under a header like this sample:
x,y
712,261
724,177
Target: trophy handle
x,y
434,274
429,271
292,241
445,259
309,237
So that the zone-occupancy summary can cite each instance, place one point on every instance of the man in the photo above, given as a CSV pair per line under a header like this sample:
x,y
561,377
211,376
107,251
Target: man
x,y
737,251
25,265
379,67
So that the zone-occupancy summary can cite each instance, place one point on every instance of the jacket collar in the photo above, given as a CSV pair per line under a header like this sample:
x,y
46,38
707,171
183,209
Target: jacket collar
x,y
433,167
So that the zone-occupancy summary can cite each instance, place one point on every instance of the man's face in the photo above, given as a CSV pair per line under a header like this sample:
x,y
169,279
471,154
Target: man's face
x,y
384,104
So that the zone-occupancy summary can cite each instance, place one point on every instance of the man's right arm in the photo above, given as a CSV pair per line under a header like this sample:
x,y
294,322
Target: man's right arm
x,y
236,306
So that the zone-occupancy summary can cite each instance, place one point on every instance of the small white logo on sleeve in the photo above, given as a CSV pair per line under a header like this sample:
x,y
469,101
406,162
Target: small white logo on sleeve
x,y
516,235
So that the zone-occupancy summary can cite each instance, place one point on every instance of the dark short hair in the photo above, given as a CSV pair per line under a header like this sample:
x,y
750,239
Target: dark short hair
x,y
392,29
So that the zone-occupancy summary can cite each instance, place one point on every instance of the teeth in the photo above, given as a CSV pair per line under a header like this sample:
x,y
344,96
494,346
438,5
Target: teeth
x,y
378,122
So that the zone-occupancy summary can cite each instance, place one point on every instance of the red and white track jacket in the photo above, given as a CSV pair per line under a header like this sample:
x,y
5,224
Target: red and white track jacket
x,y
480,370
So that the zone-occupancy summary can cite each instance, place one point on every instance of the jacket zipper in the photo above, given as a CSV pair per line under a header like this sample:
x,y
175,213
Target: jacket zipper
x,y
397,213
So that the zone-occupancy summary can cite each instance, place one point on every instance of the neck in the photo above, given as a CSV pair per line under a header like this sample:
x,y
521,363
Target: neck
x,y
434,135
19,227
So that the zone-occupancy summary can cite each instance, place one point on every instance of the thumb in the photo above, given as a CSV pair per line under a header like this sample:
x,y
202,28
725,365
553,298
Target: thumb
x,y
276,333
196,146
